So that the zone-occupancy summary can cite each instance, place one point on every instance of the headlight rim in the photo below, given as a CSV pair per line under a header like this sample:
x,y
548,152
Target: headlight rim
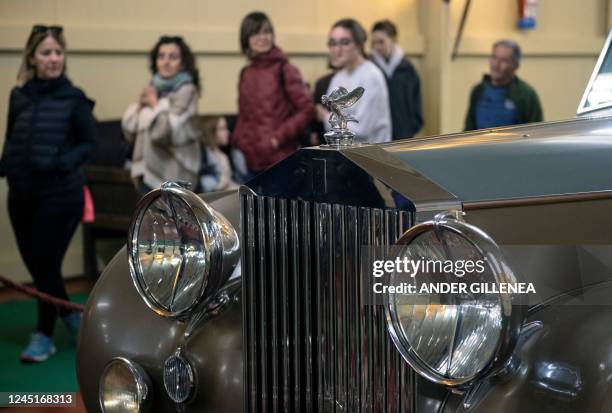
x,y
210,232
143,383
512,310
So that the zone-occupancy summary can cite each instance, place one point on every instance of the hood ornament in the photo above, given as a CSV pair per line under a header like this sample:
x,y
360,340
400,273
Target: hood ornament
x,y
340,99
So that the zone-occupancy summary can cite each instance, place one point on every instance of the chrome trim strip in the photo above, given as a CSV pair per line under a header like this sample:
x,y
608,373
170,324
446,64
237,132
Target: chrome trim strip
x,y
339,299
284,276
379,332
272,286
407,398
263,301
391,356
365,314
296,304
427,212
408,402
323,311
309,338
248,302
540,200
354,332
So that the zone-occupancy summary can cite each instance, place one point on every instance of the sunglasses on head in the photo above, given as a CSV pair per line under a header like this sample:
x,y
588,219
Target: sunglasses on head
x,y
41,28
170,39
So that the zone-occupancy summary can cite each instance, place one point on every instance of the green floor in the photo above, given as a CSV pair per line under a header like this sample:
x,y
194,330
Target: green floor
x,y
57,374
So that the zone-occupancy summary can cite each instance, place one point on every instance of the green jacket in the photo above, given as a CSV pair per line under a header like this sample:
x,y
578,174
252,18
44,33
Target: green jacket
x,y
525,98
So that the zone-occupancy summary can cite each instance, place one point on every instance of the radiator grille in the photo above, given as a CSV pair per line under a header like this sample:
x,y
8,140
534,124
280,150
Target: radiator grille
x,y
311,342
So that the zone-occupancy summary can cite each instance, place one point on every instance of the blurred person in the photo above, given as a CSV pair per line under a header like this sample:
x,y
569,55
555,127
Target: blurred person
x,y
402,81
50,134
318,125
215,169
501,98
274,106
160,123
240,172
347,55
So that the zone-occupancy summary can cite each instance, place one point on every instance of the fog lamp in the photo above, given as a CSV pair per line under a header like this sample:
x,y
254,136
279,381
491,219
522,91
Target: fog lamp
x,y
179,378
124,387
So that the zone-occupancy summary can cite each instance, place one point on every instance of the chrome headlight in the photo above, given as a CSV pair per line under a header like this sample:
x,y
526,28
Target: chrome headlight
x,y
453,339
124,387
179,250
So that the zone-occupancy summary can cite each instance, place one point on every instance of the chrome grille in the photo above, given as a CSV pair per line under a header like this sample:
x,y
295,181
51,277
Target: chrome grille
x,y
311,342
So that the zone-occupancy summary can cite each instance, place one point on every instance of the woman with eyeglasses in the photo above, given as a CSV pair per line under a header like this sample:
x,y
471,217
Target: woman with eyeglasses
x,y
274,104
160,124
50,133
347,54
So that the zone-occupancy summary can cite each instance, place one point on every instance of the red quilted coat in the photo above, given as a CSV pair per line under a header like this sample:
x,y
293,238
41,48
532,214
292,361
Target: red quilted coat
x,y
271,105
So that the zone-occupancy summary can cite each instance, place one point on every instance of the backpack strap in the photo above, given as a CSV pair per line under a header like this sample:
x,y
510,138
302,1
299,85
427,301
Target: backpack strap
x,y
281,77
241,74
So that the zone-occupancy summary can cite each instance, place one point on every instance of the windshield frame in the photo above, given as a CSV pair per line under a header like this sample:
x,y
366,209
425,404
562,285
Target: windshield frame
x,y
582,108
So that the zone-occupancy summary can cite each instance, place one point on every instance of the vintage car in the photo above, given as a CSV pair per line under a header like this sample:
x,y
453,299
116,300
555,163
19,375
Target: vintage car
x,y
264,300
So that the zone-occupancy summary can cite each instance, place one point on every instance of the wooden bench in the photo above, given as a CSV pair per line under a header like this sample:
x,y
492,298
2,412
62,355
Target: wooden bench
x,y
112,191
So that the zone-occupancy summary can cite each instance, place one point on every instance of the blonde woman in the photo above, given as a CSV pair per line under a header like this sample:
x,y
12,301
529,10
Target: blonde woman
x,y
50,133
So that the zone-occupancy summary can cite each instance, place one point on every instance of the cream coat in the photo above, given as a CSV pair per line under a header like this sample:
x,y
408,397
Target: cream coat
x,y
166,142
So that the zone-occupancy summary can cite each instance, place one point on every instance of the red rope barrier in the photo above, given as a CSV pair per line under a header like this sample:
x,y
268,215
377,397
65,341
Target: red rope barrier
x,y
33,292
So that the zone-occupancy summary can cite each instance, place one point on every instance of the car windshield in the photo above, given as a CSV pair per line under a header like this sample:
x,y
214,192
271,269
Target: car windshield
x,y
598,94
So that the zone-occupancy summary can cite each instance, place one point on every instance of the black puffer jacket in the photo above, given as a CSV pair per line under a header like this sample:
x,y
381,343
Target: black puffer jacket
x,y
50,134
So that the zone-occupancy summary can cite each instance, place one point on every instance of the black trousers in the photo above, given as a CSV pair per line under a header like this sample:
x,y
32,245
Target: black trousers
x,y
43,228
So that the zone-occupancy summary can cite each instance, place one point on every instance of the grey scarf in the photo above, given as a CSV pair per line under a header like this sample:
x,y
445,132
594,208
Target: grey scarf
x,y
165,86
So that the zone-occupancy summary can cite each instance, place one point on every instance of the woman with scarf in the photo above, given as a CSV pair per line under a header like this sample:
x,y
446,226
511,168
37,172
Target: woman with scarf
x,y
274,104
402,81
160,124
50,134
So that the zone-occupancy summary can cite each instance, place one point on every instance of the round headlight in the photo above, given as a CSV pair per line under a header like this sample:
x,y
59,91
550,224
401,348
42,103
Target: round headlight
x,y
178,247
452,335
124,387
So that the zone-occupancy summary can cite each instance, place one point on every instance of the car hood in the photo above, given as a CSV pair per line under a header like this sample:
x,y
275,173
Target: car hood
x,y
506,163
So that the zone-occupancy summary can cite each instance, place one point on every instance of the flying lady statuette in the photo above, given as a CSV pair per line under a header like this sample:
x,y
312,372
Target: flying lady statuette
x,y
338,100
